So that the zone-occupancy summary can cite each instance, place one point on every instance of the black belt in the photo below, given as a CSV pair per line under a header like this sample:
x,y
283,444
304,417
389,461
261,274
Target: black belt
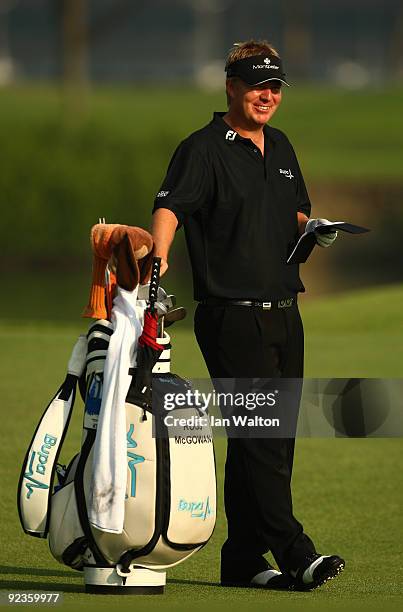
x,y
283,303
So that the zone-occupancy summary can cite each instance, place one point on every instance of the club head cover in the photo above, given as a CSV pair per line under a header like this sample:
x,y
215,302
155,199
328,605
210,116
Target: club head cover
x,y
133,250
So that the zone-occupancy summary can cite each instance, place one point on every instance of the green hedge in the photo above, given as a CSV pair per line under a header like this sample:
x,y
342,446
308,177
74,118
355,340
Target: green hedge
x,y
60,173
65,162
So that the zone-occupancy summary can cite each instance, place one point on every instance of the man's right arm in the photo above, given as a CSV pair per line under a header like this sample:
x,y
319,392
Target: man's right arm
x,y
183,191
163,229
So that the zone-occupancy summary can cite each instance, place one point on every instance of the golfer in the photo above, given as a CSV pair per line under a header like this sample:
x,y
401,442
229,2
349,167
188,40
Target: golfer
x,y
236,187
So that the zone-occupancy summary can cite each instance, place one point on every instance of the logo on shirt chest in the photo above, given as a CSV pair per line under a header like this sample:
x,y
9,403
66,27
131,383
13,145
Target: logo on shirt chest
x,y
230,135
286,173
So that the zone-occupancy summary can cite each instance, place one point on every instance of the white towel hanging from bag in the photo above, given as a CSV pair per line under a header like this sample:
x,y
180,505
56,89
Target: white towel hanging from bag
x,y
108,488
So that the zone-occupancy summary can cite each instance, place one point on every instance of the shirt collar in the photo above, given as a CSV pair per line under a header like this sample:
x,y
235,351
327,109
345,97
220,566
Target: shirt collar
x,y
225,130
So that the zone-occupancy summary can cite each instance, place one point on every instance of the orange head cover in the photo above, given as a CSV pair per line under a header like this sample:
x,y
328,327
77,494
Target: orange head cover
x,y
132,248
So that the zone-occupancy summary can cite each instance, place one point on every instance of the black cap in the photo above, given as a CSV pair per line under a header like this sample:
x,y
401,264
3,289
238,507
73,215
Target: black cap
x,y
257,69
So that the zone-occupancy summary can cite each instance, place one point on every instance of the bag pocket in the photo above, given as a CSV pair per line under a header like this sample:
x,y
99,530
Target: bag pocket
x,y
64,527
192,484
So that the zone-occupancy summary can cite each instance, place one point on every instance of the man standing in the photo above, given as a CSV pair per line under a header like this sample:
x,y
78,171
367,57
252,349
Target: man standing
x,y
236,187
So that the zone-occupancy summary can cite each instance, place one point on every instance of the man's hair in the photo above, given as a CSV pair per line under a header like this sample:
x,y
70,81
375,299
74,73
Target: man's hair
x,y
249,48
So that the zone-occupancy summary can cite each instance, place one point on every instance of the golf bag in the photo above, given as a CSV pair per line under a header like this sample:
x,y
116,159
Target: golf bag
x,y
170,502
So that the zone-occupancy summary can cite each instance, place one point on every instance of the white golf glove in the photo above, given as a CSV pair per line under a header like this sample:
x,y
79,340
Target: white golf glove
x,y
323,240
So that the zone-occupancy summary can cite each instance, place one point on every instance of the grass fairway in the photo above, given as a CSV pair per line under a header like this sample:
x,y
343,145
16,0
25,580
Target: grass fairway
x,y
347,492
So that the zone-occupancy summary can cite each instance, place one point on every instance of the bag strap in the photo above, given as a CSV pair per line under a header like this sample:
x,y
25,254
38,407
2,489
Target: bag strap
x,y
36,480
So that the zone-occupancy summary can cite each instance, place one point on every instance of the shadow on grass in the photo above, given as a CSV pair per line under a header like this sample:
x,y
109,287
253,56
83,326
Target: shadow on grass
x,y
29,571
29,585
281,589
25,571
197,582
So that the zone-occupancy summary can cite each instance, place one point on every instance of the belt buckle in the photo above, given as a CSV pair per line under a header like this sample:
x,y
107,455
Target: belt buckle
x,y
266,305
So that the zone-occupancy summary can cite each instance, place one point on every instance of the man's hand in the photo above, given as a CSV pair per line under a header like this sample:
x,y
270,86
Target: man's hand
x,y
164,265
163,268
323,240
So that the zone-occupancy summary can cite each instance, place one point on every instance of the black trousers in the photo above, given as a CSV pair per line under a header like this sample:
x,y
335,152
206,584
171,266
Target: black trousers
x,y
249,342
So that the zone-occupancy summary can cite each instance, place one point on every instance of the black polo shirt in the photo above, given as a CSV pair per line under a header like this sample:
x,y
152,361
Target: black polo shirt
x,y
239,211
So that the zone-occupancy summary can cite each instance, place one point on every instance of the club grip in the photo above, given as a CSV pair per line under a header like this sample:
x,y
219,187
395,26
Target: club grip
x,y
155,281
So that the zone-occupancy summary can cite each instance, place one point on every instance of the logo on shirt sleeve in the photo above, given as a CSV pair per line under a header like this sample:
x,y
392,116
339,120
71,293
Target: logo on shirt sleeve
x,y
286,173
162,194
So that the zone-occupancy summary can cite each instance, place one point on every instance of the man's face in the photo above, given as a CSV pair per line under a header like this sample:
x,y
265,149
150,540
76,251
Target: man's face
x,y
256,104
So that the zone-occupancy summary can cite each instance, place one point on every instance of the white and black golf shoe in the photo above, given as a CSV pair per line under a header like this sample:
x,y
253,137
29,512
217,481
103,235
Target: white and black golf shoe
x,y
268,579
317,570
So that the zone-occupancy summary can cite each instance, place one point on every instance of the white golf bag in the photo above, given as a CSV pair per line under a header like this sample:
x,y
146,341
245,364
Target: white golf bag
x,y
170,503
